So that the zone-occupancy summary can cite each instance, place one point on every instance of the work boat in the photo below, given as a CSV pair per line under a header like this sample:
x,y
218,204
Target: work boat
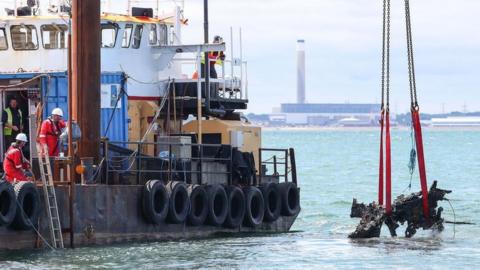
x,y
172,156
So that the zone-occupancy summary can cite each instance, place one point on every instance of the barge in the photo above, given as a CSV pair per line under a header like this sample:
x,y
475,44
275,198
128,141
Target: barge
x,y
160,155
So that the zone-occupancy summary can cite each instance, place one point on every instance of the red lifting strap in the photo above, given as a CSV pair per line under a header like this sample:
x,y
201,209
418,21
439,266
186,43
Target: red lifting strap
x,y
380,166
421,159
388,166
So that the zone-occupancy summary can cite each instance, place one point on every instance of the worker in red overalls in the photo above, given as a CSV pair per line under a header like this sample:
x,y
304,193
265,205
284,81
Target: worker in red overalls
x,y
50,132
15,164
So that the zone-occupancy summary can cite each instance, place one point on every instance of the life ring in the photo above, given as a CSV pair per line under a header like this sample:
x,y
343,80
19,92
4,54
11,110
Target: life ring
x,y
254,206
179,204
198,205
28,206
8,205
236,207
273,201
290,195
217,205
155,201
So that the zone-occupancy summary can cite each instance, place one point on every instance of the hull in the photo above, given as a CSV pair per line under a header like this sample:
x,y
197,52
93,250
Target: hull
x,y
112,214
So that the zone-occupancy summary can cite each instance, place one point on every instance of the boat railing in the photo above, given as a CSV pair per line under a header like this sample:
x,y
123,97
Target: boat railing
x,y
232,77
170,161
278,163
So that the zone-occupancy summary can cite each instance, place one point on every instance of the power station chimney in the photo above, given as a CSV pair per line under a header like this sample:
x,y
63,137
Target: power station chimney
x,y
300,71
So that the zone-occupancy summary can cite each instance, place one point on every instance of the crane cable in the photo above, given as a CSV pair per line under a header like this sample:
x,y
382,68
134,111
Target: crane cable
x,y
415,112
385,113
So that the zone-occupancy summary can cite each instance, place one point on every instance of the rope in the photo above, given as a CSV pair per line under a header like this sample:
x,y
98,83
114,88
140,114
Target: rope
x,y
454,217
2,87
119,97
412,159
33,226
150,128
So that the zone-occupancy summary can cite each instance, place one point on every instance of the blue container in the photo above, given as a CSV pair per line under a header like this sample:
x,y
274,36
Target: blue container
x,y
114,115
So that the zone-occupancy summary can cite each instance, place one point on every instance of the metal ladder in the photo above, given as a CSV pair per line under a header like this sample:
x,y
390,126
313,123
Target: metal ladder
x,y
50,197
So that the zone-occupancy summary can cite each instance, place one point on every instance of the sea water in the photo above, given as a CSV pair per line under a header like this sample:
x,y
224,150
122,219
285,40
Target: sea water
x,y
333,167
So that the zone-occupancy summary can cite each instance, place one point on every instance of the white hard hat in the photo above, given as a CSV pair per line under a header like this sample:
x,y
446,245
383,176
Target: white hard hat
x,y
21,137
57,111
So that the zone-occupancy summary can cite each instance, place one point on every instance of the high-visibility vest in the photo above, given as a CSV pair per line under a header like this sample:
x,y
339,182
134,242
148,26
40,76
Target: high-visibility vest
x,y
6,130
214,58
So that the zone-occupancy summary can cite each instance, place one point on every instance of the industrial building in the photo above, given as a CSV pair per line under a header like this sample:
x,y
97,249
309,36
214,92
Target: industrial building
x,y
322,114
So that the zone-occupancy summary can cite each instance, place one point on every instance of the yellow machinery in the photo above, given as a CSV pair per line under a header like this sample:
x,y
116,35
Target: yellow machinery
x,y
244,135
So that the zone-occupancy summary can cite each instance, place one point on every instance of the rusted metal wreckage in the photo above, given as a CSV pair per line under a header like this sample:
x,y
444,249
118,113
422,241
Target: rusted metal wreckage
x,y
405,209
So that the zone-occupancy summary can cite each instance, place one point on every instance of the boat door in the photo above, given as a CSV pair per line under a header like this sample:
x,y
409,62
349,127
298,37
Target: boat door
x,y
27,94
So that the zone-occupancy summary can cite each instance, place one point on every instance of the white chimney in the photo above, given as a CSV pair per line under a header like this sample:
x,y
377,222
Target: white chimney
x,y
301,71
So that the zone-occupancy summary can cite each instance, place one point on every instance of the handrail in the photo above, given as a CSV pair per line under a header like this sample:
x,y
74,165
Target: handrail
x,y
171,164
277,161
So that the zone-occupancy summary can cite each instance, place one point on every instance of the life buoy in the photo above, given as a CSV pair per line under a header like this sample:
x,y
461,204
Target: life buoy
x,y
179,204
155,201
236,207
217,205
28,206
254,206
198,205
290,195
273,201
8,205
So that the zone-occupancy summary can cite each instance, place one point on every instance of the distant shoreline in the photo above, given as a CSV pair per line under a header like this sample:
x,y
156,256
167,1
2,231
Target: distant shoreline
x,y
401,128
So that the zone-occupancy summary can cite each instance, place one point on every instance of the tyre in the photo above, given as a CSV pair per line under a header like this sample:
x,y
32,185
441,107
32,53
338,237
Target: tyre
x,y
236,207
254,206
290,199
155,201
28,206
8,204
179,204
272,200
198,205
217,205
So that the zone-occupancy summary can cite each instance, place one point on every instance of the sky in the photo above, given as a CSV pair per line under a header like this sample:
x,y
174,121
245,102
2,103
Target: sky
x,y
343,49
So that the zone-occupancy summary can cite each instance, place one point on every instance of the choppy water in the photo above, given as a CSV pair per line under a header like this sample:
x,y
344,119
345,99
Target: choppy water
x,y
333,167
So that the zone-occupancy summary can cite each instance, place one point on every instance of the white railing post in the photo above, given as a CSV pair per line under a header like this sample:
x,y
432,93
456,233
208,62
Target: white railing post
x,y
246,81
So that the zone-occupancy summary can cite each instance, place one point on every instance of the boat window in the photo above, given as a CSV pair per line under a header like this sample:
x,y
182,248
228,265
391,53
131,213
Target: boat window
x,y
152,38
163,38
24,37
137,36
127,35
109,35
54,36
3,40
171,34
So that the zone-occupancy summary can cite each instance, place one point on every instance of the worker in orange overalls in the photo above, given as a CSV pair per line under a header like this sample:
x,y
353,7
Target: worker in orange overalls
x,y
15,163
50,132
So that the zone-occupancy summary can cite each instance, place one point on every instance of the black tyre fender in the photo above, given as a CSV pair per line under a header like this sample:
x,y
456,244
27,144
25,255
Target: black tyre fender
x,y
198,205
28,206
254,206
273,201
179,204
8,203
155,201
290,199
236,207
217,205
